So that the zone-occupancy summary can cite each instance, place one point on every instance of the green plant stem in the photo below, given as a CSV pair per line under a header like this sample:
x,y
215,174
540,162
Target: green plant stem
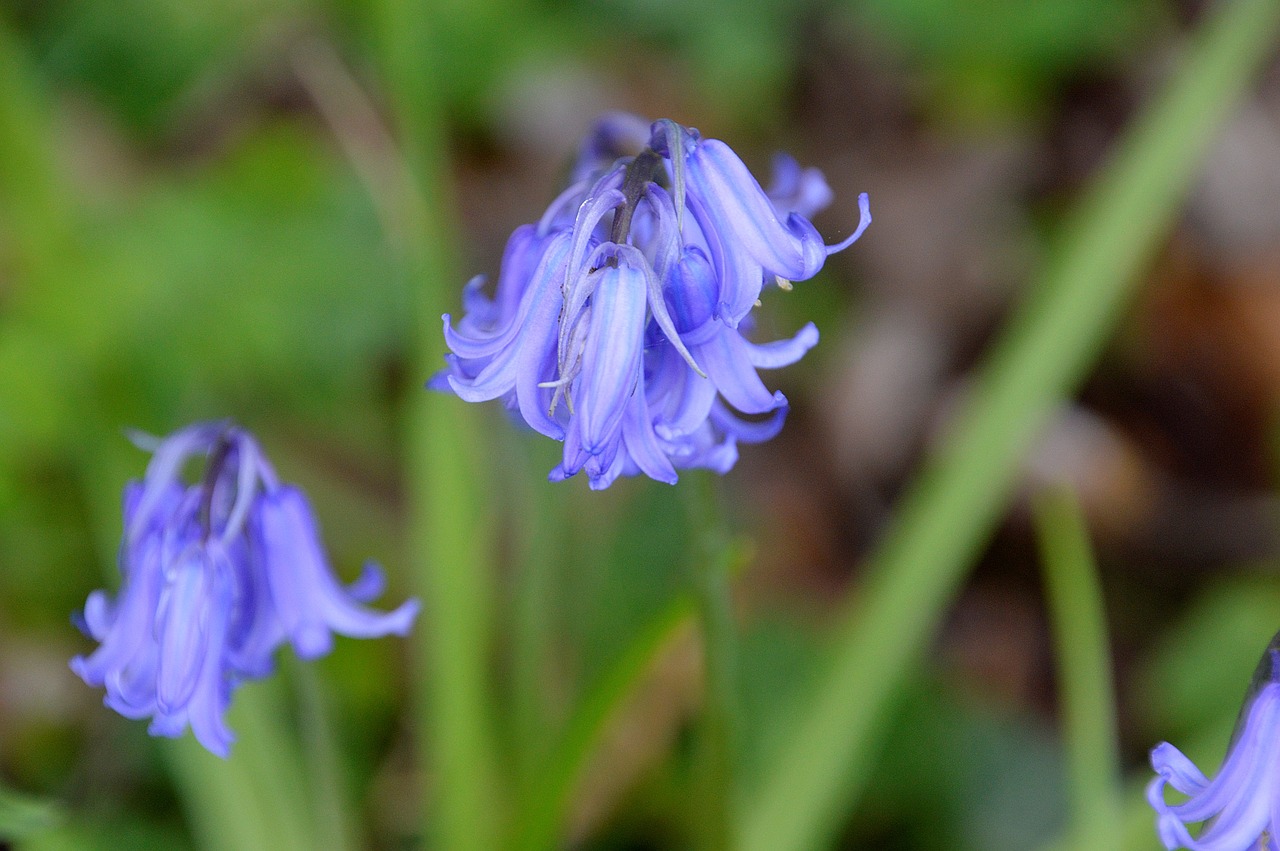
x,y
1044,354
23,816
717,778
255,799
34,198
329,805
450,530
542,518
1084,670
542,815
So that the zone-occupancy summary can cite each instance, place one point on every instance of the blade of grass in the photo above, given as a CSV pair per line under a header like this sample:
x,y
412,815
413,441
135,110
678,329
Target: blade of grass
x,y
255,799
542,522
542,816
1084,670
22,815
329,805
954,504
33,196
719,724
450,534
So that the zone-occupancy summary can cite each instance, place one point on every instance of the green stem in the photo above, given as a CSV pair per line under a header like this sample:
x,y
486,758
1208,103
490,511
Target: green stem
x,y
542,814
24,816
329,808
1084,670
716,772
449,523
543,535
257,798
949,513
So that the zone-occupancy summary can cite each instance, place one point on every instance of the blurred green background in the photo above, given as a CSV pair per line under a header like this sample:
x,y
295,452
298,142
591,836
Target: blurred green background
x,y
200,217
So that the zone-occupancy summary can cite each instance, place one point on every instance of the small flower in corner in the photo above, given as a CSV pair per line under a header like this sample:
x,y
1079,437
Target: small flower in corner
x,y
216,575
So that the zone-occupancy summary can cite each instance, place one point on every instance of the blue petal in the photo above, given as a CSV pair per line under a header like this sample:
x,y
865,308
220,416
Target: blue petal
x,y
1240,800
748,432
479,339
163,471
782,353
308,599
611,358
642,444
130,628
797,190
681,399
1248,754
520,365
182,628
743,212
739,275
691,294
729,365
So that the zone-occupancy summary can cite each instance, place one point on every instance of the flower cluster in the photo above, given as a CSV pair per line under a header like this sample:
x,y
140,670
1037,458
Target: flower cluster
x,y
1241,804
619,320
216,576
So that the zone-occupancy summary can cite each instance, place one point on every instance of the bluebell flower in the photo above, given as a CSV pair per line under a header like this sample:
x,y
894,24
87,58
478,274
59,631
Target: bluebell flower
x,y
216,575
1241,806
620,321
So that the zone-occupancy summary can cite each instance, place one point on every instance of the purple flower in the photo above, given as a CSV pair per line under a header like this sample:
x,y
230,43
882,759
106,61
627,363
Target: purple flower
x,y
620,319
216,575
1241,804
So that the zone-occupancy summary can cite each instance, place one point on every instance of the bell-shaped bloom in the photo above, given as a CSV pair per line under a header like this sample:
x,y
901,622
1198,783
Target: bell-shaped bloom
x,y
1241,805
216,575
306,598
620,319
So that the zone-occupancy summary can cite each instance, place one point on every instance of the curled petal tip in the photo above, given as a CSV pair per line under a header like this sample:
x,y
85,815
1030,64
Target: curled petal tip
x,y
864,220
403,618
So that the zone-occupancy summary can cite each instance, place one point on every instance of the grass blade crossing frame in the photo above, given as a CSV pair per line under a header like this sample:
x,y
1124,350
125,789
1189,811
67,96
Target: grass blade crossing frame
x,y
1042,357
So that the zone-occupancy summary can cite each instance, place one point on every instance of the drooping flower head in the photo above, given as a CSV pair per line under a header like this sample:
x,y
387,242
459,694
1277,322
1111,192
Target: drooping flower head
x,y
1241,806
216,575
619,320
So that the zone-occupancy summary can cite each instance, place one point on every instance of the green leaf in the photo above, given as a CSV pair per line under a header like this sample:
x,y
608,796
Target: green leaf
x,y
1042,357
23,815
